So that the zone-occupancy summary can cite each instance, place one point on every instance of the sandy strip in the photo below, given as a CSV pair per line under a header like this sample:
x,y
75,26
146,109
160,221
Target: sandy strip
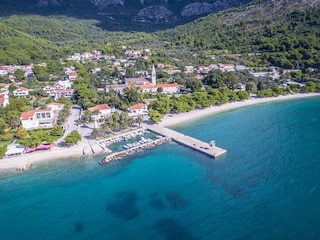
x,y
58,153
82,149
175,119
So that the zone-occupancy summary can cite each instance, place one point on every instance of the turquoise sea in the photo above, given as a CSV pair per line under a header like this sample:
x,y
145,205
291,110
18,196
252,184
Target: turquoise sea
x,y
267,186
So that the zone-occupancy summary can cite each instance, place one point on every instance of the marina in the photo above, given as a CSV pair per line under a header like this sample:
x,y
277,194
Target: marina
x,y
135,149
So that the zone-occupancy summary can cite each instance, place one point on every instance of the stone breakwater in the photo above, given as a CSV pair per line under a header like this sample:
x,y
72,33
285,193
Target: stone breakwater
x,y
120,155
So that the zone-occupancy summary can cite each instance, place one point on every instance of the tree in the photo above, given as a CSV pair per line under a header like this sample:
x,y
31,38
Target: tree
x,y
155,115
160,89
13,121
57,130
162,104
73,138
19,74
123,119
21,132
194,84
132,95
139,120
95,133
251,87
243,95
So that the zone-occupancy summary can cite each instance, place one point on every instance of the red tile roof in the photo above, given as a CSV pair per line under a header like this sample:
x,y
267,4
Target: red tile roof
x,y
29,114
137,106
55,104
148,85
98,107
23,88
168,85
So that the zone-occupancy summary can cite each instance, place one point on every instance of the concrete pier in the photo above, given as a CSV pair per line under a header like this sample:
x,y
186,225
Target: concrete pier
x,y
203,147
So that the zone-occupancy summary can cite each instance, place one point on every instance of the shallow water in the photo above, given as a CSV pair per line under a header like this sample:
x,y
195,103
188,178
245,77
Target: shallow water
x,y
267,186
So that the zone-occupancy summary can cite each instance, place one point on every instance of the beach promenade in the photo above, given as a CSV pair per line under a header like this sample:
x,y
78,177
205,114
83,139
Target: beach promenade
x,y
196,144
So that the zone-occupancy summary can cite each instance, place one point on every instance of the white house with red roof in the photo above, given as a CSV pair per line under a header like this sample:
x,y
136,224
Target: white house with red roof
x,y
99,111
59,87
4,99
65,83
65,93
55,106
49,89
35,119
72,75
4,87
139,108
227,67
21,92
167,88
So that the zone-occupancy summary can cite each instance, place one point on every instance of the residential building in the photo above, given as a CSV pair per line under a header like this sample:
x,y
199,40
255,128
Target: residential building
x,y
4,87
99,111
35,119
167,88
66,93
72,75
49,89
55,106
188,69
139,108
4,99
21,92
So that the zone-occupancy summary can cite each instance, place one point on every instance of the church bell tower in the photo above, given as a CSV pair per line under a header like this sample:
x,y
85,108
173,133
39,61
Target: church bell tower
x,y
153,76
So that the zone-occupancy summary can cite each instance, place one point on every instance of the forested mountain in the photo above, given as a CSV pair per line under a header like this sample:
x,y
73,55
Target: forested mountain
x,y
118,15
21,48
277,32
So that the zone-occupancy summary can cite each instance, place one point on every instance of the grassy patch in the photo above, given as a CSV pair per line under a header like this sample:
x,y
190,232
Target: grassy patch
x,y
3,147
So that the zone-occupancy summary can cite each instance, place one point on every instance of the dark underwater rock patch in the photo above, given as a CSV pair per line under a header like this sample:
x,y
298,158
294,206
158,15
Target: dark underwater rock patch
x,y
175,200
124,205
172,229
156,202
78,227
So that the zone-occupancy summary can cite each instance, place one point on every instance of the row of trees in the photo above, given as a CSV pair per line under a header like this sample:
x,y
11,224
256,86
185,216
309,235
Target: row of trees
x,y
116,122
164,104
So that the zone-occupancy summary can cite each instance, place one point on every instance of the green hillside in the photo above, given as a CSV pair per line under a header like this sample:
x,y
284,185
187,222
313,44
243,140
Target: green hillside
x,y
18,47
282,33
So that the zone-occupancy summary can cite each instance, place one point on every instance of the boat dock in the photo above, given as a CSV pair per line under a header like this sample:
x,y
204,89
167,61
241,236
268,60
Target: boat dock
x,y
196,144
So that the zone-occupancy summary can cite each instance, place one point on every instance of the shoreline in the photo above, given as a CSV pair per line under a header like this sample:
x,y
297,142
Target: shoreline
x,y
85,148
179,118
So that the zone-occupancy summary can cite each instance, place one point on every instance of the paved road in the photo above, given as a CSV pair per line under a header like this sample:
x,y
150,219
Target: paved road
x,y
72,123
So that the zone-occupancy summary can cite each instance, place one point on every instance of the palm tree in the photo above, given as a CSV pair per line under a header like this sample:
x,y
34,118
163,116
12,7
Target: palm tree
x,y
139,120
13,121
95,133
130,122
104,127
116,120
124,116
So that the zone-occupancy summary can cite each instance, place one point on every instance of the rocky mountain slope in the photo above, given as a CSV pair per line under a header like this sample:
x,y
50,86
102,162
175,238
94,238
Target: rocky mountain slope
x,y
134,14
